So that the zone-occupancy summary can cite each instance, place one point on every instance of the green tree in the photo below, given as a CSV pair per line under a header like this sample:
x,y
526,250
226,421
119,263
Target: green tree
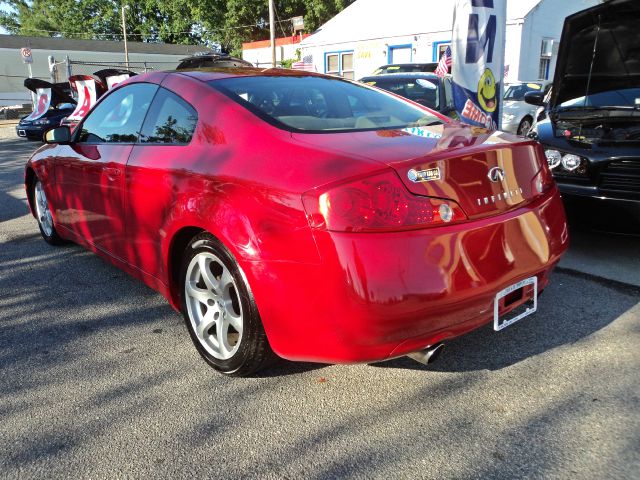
x,y
226,22
147,20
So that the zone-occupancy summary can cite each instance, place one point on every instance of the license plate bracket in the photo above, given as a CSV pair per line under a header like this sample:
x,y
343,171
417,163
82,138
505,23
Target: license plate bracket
x,y
531,305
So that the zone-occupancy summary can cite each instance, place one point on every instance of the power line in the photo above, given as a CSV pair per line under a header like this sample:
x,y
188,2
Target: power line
x,y
279,21
174,32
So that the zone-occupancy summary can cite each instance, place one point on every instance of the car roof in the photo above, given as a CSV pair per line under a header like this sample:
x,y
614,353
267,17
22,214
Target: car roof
x,y
216,73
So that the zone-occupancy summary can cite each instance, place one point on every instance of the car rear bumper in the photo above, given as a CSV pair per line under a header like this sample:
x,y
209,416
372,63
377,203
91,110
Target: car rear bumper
x,y
378,296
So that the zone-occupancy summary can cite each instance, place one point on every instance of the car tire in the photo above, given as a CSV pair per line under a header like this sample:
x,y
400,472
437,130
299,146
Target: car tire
x,y
525,126
42,210
220,311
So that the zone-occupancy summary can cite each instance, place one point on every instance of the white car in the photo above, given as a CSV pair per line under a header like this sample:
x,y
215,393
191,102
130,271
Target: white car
x,y
517,115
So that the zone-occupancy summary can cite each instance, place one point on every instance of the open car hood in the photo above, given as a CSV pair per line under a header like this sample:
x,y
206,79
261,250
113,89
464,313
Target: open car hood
x,y
59,92
616,64
114,76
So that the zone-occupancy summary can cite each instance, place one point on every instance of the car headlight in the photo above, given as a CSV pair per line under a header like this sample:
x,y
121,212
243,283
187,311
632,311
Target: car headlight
x,y
553,158
570,162
508,117
42,121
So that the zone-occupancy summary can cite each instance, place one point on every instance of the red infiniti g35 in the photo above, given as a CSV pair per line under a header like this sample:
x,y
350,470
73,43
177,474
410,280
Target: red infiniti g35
x,y
303,215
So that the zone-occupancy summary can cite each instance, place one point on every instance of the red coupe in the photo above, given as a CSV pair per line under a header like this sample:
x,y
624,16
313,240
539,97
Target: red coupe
x,y
303,215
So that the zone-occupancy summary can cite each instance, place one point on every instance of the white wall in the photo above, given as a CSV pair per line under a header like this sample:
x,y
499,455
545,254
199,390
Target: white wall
x,y
513,35
262,56
371,54
545,21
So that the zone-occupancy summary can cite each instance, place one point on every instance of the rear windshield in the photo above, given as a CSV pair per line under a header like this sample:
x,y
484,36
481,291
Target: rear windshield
x,y
322,104
421,90
516,92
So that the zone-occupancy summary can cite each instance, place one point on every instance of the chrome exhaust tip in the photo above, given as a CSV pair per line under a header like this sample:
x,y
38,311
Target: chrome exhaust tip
x,y
428,355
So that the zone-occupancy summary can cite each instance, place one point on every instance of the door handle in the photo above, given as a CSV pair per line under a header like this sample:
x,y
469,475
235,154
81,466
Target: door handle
x,y
112,173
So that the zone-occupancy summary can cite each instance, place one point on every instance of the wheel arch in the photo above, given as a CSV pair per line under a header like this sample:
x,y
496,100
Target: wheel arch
x,y
526,117
176,248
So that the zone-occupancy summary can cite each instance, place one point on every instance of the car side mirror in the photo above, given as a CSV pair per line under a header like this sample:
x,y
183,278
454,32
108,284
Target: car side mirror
x,y
535,98
59,135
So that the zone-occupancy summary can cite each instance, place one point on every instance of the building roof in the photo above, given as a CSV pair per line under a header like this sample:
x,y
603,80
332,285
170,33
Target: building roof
x,y
53,43
373,19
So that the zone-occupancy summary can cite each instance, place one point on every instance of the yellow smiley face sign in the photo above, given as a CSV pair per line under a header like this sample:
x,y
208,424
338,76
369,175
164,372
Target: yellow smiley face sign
x,y
487,91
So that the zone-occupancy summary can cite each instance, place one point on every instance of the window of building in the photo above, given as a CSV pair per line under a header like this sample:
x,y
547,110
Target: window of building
x,y
340,64
546,52
171,120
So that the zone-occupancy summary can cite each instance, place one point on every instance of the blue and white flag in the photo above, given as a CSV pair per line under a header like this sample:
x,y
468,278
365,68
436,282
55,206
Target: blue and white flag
x,y
478,60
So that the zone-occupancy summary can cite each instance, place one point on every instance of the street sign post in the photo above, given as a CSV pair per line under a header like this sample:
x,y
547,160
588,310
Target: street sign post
x,y
26,55
27,58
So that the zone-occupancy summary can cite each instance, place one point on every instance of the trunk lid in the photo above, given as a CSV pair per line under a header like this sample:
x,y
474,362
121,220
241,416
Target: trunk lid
x,y
485,172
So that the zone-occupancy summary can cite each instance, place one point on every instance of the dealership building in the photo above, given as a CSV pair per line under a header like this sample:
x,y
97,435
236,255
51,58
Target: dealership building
x,y
371,33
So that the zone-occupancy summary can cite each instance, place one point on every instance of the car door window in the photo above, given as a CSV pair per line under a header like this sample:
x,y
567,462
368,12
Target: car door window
x,y
118,118
171,120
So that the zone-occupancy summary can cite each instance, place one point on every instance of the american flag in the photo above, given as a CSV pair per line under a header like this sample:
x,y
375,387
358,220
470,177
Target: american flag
x,y
445,63
305,64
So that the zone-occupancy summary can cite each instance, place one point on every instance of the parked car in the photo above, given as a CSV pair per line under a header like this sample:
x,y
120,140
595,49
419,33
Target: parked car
x,y
302,214
209,59
427,89
405,68
53,103
517,115
591,127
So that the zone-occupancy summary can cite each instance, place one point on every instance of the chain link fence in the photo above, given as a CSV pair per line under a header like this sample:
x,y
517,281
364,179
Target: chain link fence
x,y
74,67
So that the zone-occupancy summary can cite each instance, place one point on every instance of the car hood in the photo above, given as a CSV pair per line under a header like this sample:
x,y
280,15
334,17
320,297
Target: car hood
x,y
58,93
616,63
515,107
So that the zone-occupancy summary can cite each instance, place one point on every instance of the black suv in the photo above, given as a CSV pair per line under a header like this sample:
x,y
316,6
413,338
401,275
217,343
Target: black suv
x,y
591,127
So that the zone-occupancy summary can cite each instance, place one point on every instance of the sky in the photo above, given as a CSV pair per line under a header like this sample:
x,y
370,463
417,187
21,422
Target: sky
x,y
4,9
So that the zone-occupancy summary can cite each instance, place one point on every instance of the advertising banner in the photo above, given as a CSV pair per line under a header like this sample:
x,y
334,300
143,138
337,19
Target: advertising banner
x,y
87,96
478,60
115,80
43,102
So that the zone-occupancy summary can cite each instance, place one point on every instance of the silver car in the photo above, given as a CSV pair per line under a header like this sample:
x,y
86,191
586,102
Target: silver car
x,y
517,115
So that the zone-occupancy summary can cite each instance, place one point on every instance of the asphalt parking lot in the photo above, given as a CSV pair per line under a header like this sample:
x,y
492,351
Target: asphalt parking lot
x,y
99,379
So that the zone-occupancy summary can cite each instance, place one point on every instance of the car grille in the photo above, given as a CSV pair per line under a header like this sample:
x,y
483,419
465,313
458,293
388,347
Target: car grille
x,y
621,178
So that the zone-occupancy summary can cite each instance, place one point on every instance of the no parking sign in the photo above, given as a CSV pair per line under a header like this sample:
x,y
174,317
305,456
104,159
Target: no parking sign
x,y
26,55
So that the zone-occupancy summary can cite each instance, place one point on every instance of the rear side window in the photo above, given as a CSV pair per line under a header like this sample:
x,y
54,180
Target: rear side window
x,y
321,104
118,118
171,120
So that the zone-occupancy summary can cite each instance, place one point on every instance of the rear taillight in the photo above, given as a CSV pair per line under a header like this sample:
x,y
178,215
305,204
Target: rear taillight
x,y
379,202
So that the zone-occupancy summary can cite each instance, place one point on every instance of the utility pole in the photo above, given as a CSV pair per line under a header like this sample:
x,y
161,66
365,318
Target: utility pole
x,y
272,33
124,34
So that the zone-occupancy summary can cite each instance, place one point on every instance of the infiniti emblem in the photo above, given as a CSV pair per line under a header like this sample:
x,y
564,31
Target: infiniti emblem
x,y
496,174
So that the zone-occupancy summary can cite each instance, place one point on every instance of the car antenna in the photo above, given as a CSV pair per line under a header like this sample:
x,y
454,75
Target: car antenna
x,y
593,59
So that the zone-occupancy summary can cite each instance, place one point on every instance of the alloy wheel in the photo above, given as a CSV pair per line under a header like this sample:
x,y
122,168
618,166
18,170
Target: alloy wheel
x,y
213,306
42,210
